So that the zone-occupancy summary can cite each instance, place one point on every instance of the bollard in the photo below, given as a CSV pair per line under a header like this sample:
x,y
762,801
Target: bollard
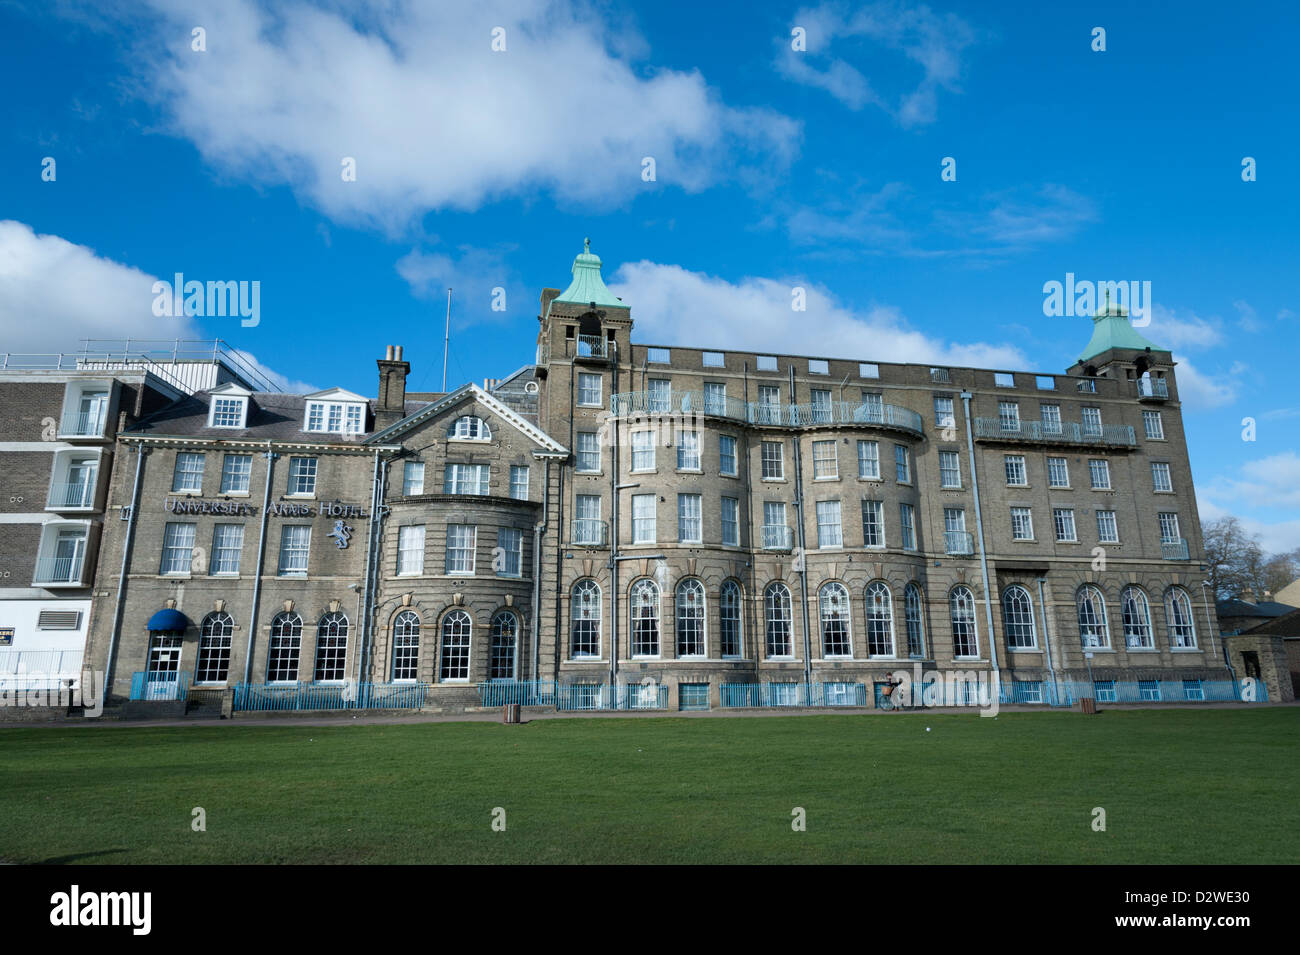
x,y
1087,704
510,713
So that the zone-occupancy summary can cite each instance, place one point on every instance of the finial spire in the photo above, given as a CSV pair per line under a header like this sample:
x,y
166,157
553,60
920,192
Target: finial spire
x,y
586,245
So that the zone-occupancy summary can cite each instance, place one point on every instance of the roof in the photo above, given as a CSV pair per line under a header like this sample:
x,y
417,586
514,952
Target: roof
x,y
1285,625
587,286
1112,329
272,416
453,398
1244,608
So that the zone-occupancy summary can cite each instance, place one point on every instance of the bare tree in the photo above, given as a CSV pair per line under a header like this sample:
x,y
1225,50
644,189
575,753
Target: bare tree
x,y
1233,558
1281,569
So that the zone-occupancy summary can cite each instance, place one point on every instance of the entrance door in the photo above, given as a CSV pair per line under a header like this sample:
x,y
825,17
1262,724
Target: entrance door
x,y
162,671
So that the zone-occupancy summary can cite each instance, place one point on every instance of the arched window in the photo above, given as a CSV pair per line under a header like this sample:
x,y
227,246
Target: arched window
x,y
470,428
584,613
215,633
1093,630
505,637
837,638
729,618
1018,618
915,622
1137,619
690,619
965,635
406,647
285,645
645,619
1182,625
776,612
880,620
331,648
456,629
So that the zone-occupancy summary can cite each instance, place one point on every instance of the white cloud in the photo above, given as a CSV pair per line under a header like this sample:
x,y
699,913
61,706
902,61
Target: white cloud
x,y
434,118
1273,481
1173,329
1275,537
474,275
674,306
1248,319
1198,390
930,41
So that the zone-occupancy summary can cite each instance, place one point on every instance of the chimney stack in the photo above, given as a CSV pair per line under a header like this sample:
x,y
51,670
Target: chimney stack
x,y
391,406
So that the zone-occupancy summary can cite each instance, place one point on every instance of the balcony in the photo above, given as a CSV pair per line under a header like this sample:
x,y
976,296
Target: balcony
x,y
1067,432
762,413
83,424
940,376
777,537
1175,550
1088,386
59,571
73,496
958,543
1152,389
587,532
592,348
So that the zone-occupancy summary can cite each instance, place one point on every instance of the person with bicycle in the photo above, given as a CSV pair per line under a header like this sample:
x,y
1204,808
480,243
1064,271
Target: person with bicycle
x,y
891,687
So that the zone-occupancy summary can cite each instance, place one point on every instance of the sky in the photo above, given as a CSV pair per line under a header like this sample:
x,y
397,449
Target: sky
x,y
356,159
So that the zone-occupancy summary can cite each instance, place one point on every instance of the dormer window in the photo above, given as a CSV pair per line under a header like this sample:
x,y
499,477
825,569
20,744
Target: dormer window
x,y
228,406
336,412
469,428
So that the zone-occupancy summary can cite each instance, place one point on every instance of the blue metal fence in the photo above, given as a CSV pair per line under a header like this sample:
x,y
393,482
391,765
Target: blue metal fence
x,y
329,696
523,692
624,696
160,687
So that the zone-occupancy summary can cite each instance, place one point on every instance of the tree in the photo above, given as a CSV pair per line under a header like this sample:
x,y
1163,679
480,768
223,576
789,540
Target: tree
x,y
1281,569
1233,558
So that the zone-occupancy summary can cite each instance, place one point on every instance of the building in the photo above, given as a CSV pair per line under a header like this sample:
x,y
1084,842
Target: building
x,y
669,518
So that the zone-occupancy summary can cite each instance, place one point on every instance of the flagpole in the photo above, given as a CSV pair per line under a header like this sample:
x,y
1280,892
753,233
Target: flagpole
x,y
446,343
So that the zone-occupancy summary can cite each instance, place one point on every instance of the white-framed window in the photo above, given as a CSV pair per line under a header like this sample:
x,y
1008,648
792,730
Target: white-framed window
x,y
1091,421
880,620
688,451
643,519
765,362
715,398
584,620
902,465
283,648
457,628
868,369
913,615
1136,615
944,416
690,520
412,478
769,404
772,456
730,643
1058,472
227,545
236,473
1051,418
644,609
1107,527
818,366
334,417
461,544
295,546
1018,618
643,451
227,412
510,547
690,619
519,482
727,455
1063,519
588,528
777,618
659,356
869,460
1169,527
1009,415
713,359
1022,524
1091,609
829,533
776,533
731,521
406,647
1014,465
589,389
907,518
469,428
965,632
659,397
410,550
1099,474
302,477
1160,479
505,642
1153,425
331,648
187,478
215,636
873,523
836,627
1182,623
821,405
873,406
826,462
588,456
466,479
178,548
949,469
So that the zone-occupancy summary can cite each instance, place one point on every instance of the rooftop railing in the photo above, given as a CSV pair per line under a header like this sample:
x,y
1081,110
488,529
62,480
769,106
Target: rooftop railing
x,y
154,355
1066,432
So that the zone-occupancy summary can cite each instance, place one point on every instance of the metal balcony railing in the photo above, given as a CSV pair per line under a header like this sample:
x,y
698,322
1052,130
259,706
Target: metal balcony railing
x,y
1067,432
81,424
58,570
589,531
776,537
1175,550
592,346
940,376
763,413
959,542
1087,386
76,494
1152,388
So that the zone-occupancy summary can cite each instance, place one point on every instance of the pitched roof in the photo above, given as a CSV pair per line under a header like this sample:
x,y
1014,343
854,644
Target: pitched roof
x,y
453,398
272,416
1243,608
1112,329
587,285
1285,625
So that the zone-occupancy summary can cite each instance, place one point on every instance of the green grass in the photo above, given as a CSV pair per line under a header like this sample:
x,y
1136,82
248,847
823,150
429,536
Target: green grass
x,y
1184,786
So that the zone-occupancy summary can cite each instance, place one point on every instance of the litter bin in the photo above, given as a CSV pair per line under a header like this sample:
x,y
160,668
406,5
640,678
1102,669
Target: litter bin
x,y
1087,704
510,713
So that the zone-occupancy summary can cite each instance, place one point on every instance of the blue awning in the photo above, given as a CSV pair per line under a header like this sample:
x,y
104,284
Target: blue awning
x,y
168,620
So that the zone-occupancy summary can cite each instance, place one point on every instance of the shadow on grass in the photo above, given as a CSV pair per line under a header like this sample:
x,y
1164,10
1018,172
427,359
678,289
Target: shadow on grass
x,y
65,860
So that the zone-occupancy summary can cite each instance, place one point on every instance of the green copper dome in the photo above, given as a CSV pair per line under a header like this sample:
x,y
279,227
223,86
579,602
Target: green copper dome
x,y
1112,329
587,285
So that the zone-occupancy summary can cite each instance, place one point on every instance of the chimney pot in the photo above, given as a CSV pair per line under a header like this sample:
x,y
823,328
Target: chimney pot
x,y
388,356
399,352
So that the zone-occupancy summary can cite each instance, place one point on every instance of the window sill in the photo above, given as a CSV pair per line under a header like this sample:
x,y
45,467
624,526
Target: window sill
x,y
1024,650
690,471
1186,650
235,494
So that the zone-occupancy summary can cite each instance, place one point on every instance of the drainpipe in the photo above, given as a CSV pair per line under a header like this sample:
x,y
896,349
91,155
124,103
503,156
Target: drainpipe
x,y
1047,633
755,608
538,531
984,559
803,550
121,577
368,581
261,556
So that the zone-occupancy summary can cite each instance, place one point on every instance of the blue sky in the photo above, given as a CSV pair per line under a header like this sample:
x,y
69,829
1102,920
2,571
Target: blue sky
x,y
774,168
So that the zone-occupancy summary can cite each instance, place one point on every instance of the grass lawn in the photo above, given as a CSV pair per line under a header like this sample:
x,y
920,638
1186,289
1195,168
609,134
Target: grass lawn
x,y
1178,785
